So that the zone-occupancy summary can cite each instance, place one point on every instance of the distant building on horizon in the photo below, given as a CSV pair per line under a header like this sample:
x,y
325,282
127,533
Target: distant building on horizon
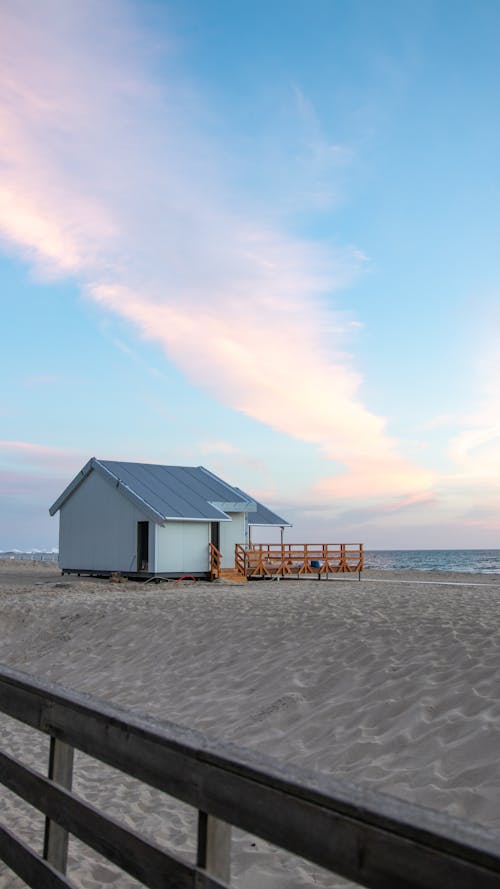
x,y
30,555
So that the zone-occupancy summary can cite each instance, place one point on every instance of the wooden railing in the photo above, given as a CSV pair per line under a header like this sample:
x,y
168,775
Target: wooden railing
x,y
299,559
239,560
365,836
214,557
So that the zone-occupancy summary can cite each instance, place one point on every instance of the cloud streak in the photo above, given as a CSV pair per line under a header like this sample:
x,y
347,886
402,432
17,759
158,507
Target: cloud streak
x,y
475,449
39,458
104,177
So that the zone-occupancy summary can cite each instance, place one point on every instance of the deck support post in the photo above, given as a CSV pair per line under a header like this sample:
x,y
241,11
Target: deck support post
x,y
55,844
214,846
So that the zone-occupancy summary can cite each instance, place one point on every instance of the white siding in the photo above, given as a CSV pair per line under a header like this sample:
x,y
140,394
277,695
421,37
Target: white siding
x,y
98,529
231,533
182,547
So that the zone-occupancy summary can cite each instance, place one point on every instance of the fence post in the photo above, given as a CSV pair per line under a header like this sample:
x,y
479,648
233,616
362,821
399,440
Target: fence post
x,y
214,846
55,844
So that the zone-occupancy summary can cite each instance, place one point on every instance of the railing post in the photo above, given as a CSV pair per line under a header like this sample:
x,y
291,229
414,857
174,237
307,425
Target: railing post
x,y
55,844
214,558
214,846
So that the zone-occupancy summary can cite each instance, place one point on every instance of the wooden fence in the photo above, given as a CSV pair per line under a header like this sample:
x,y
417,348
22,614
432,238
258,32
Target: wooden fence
x,y
299,559
370,838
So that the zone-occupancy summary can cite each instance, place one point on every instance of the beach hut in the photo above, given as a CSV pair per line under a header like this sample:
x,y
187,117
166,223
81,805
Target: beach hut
x,y
140,518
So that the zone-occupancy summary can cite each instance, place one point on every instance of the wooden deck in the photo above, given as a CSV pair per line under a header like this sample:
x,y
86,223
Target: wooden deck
x,y
268,560
299,559
368,837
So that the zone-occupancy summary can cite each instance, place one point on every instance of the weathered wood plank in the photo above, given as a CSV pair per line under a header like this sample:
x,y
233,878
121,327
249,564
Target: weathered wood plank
x,y
29,866
121,845
55,844
48,707
358,851
214,846
366,836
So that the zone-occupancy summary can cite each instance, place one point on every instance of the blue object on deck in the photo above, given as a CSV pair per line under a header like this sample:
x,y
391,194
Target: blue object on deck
x,y
315,563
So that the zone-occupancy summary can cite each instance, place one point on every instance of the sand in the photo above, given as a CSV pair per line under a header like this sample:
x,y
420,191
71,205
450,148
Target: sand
x,y
392,681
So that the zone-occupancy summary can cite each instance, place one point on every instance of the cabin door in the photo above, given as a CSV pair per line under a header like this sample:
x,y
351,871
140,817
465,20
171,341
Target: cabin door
x,y
215,534
142,546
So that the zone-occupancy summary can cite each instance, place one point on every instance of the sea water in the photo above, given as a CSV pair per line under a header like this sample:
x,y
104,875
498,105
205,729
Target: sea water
x,y
484,561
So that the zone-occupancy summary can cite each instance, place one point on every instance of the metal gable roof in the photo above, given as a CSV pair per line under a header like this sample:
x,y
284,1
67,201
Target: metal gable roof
x,y
168,492
165,488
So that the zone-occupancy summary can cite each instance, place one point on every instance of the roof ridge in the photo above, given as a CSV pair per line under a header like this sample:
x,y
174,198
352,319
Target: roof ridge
x,y
226,484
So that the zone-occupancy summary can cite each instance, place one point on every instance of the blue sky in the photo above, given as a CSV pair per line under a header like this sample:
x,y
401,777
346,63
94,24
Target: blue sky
x,y
260,237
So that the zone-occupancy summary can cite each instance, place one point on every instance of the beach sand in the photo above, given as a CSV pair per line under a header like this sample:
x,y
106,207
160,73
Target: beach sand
x,y
392,681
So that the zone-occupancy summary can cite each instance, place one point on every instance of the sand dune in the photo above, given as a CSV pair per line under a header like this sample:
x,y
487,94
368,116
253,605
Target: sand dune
x,y
392,682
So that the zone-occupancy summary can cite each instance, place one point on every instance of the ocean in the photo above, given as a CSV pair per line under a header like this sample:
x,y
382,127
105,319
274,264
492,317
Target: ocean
x,y
483,561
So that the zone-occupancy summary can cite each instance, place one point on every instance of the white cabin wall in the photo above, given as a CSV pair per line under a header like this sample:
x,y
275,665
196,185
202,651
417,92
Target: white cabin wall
x,y
98,528
182,547
231,533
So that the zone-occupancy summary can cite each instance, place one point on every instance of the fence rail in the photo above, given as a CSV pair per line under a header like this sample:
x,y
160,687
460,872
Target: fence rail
x,y
365,836
299,559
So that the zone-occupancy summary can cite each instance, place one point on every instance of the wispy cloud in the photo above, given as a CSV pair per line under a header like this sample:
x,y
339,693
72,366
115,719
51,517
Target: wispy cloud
x,y
136,358
413,501
320,155
218,446
42,379
104,177
24,455
475,449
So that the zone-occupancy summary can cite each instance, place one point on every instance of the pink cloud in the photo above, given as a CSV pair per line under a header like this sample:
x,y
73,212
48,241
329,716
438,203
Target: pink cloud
x,y
29,487
412,501
27,456
104,178
27,447
218,447
376,476
314,400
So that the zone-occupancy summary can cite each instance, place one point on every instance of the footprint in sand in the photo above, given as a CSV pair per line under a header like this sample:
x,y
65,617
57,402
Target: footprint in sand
x,y
291,699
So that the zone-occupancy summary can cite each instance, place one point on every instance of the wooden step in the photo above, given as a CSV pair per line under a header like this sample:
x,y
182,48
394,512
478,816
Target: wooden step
x,y
232,575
